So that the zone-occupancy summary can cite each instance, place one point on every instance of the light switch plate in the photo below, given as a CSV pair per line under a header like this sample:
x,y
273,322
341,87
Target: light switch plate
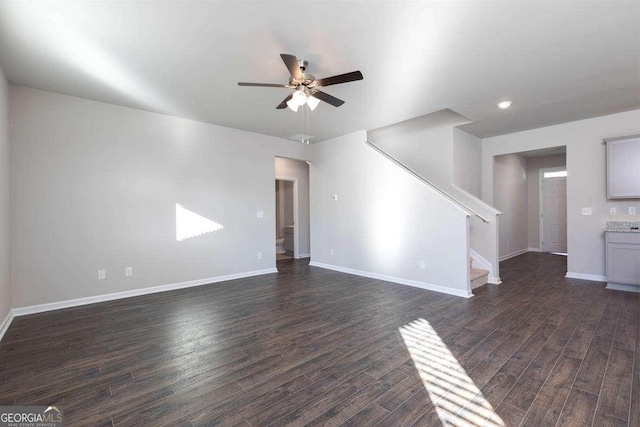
x,y
586,211
260,214
632,210
259,255
422,265
334,197
102,274
613,211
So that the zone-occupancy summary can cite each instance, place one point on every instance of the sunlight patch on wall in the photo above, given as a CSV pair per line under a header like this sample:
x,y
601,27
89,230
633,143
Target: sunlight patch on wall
x,y
387,219
456,398
190,224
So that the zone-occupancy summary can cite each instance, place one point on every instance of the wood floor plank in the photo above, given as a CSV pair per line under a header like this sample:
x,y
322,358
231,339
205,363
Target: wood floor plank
x,y
615,395
546,408
410,411
314,346
368,416
510,415
579,409
603,419
526,388
594,365
400,393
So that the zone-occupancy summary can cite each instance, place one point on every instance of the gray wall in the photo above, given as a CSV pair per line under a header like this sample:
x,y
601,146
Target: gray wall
x,y
5,282
95,187
534,164
586,181
510,196
467,162
385,221
297,169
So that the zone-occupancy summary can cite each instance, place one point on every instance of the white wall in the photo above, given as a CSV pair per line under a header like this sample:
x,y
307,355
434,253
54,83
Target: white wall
x,y
510,196
300,170
95,186
534,164
385,221
586,181
5,282
425,144
467,162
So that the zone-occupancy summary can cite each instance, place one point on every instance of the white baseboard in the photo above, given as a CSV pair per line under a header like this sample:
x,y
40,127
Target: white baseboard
x,y
535,250
494,280
514,254
303,256
414,283
625,288
6,323
592,277
32,309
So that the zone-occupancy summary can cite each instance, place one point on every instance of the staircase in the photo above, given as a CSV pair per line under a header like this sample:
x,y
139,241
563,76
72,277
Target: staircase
x,y
478,276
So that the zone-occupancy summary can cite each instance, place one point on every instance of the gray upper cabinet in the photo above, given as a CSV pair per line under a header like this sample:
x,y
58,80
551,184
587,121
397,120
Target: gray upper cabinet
x,y
623,167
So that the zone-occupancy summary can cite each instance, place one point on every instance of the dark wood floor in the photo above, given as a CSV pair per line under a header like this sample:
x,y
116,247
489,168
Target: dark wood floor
x,y
311,346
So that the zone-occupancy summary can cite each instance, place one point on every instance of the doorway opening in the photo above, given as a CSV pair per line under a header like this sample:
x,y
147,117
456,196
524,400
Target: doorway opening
x,y
292,231
285,224
530,188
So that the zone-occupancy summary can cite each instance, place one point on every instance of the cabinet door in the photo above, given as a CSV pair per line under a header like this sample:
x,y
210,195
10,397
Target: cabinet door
x,y
623,173
623,263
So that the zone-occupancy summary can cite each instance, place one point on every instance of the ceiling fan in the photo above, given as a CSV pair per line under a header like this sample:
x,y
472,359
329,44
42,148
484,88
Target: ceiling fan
x,y
306,85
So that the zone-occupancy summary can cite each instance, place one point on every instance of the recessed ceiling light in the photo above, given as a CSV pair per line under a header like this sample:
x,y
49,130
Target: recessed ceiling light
x,y
504,104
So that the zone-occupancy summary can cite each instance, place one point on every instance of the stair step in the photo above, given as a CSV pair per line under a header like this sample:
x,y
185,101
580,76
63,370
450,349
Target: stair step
x,y
478,277
477,272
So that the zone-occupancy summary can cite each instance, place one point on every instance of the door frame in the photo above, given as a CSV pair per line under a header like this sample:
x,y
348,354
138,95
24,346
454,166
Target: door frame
x,y
541,204
296,243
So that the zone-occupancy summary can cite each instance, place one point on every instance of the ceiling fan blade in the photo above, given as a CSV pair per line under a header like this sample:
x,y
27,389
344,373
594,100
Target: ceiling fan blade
x,y
292,64
328,98
260,84
283,104
342,78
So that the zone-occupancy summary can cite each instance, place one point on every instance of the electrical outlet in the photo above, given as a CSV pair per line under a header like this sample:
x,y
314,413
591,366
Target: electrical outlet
x,y
586,211
260,214
632,210
613,211
128,271
331,252
259,255
422,265
102,274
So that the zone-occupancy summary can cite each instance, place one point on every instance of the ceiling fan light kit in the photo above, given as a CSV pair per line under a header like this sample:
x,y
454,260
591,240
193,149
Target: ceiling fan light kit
x,y
306,85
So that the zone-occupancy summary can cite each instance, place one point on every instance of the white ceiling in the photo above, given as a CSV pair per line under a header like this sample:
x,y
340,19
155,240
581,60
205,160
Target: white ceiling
x,y
557,61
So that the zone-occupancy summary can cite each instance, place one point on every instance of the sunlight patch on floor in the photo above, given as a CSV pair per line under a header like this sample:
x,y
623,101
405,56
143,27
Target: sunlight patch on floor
x,y
456,398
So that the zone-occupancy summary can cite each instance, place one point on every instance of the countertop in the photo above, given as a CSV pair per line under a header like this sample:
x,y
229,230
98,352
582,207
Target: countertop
x,y
623,226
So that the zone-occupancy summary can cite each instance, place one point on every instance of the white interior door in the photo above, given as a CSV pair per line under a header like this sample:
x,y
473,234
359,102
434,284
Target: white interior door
x,y
554,215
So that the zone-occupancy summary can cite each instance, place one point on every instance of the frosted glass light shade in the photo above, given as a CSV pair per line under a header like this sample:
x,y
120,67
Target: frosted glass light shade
x,y
292,104
313,102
